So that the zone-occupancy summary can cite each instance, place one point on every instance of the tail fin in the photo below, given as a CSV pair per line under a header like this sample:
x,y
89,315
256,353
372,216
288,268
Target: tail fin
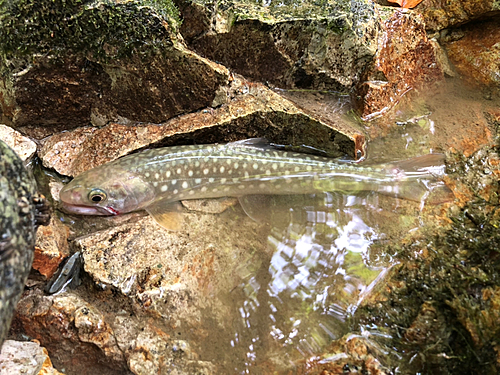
x,y
419,179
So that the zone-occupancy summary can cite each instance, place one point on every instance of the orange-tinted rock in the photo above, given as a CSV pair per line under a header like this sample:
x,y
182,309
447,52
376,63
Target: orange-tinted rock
x,y
441,14
51,247
405,62
476,55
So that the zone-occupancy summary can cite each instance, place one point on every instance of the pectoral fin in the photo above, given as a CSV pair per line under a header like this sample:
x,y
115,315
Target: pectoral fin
x,y
169,215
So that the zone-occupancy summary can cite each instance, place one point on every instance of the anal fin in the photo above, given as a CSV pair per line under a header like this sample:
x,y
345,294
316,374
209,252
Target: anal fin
x,y
169,215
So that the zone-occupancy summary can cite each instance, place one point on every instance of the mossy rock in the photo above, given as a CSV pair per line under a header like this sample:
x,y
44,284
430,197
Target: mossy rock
x,y
64,64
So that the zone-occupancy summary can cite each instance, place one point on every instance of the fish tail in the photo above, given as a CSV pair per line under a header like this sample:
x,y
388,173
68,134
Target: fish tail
x,y
420,179
431,165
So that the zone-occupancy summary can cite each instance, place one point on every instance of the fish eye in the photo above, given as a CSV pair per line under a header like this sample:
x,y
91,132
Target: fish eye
x,y
97,195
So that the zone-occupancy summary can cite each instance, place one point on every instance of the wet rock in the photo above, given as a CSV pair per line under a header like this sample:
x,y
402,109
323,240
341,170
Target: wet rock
x,y
405,63
253,111
183,268
306,44
347,354
24,147
72,330
476,55
51,247
112,61
103,343
152,351
27,357
440,15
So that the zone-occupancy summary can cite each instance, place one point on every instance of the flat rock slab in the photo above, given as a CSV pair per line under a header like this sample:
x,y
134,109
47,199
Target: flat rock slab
x,y
113,61
255,112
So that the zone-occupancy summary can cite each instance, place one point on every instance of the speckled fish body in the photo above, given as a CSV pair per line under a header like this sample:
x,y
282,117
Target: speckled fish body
x,y
156,177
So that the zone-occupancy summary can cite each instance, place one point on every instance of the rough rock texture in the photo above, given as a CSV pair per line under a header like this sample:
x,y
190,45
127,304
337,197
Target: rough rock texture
x,y
65,64
441,14
254,111
24,147
406,61
27,358
51,247
476,54
179,267
17,232
73,328
304,44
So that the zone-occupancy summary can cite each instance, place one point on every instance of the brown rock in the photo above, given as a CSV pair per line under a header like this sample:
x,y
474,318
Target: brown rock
x,y
254,111
115,62
406,62
441,14
51,247
476,55
306,45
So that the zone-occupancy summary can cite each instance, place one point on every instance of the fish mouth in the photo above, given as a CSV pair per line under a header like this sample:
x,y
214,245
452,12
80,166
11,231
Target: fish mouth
x,y
88,210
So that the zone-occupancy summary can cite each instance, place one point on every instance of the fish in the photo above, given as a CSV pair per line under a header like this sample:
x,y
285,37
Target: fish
x,y
22,210
156,180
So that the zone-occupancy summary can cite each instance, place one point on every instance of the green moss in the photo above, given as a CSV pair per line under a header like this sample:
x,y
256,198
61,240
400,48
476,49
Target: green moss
x,y
105,30
456,276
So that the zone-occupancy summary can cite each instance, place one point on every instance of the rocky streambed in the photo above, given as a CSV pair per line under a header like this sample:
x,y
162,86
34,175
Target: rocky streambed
x,y
346,283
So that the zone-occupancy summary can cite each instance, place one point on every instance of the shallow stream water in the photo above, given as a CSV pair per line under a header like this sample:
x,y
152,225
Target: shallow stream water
x,y
324,255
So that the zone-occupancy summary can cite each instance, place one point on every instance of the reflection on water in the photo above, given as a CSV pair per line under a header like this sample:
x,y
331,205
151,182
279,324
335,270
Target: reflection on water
x,y
324,260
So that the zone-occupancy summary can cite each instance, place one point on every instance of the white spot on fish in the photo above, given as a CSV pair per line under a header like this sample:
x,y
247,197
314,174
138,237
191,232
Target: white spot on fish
x,y
222,169
236,165
296,169
211,179
197,181
179,171
157,176
176,191
174,182
205,171
203,189
147,174
168,174
155,184
309,168
190,173
191,192
274,166
255,166
268,172
164,188
223,180
185,185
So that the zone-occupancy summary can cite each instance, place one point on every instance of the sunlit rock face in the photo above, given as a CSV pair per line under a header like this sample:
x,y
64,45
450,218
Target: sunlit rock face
x,y
475,52
405,63
288,44
440,14
110,61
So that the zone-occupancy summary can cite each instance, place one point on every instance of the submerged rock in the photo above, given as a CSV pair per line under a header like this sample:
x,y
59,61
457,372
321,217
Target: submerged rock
x,y
21,209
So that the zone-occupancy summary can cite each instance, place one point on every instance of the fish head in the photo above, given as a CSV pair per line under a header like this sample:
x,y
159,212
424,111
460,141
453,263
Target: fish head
x,y
106,191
